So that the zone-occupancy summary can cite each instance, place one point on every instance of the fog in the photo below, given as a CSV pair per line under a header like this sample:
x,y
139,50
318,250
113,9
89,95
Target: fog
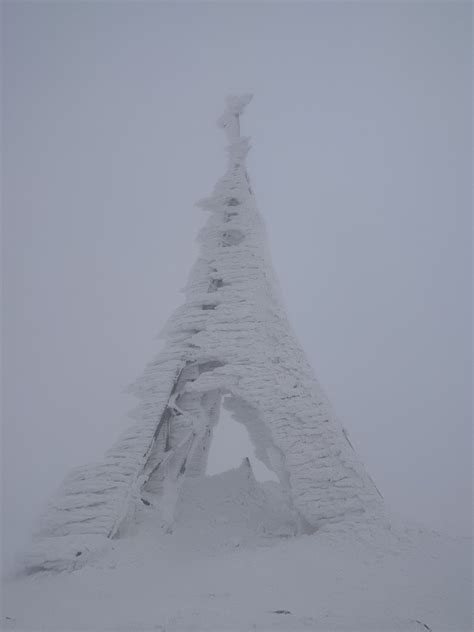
x,y
360,128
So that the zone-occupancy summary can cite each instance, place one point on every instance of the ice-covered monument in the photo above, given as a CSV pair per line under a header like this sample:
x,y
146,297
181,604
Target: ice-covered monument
x,y
230,340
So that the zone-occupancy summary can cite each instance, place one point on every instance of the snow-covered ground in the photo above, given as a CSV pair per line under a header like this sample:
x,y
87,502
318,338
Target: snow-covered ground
x,y
231,564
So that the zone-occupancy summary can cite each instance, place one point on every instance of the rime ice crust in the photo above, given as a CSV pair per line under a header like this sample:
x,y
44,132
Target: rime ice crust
x,y
230,337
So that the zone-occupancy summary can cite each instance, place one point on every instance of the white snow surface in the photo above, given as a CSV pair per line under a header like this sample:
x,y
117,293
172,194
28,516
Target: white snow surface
x,y
231,564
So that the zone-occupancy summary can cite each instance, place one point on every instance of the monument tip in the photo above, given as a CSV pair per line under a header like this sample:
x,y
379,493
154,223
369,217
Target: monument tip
x,y
229,121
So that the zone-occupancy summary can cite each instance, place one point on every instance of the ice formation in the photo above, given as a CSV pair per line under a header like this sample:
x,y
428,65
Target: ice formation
x,y
231,338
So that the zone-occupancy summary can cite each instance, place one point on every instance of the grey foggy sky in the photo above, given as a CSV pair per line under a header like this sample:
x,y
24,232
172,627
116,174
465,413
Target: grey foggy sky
x,y
360,127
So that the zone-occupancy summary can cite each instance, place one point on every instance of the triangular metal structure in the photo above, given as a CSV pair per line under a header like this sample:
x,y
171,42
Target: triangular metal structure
x,y
231,338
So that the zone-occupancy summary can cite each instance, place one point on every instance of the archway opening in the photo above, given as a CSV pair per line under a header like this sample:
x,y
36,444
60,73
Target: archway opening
x,y
230,445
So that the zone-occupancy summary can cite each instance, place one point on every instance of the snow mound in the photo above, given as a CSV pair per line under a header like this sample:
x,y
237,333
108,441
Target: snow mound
x,y
234,506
